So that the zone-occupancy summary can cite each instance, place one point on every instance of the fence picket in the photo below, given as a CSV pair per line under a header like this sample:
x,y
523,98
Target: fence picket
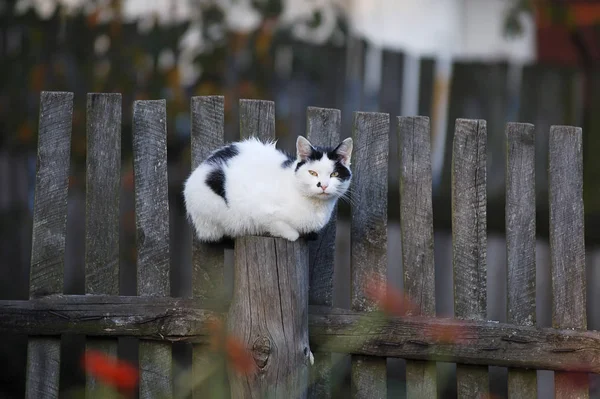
x,y
469,240
207,260
520,243
102,208
152,235
257,118
567,247
416,224
322,129
369,235
207,135
303,271
49,233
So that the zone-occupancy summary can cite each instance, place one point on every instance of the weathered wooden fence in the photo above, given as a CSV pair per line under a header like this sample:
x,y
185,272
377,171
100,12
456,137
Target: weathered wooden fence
x,y
275,280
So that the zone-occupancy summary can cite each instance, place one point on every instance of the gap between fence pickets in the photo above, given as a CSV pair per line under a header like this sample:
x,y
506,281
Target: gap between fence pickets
x,y
330,330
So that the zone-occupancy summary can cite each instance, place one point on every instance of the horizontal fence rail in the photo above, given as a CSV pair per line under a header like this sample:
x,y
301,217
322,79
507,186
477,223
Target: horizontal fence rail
x,y
278,318
331,329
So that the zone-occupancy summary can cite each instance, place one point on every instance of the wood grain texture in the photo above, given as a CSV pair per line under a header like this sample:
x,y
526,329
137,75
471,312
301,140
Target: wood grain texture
x,y
102,193
152,234
102,209
331,330
520,243
368,230
416,225
269,315
207,135
322,129
469,239
567,247
208,121
49,233
154,318
257,119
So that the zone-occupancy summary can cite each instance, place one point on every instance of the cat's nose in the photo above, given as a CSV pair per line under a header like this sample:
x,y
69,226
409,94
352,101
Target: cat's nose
x,y
324,186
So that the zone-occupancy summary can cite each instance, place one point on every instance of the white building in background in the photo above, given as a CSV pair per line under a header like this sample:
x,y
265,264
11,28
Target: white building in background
x,y
445,30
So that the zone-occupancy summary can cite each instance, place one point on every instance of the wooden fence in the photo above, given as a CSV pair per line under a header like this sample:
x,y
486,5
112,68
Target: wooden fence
x,y
275,280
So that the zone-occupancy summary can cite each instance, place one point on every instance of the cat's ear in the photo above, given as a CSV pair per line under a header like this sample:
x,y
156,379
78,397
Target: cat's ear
x,y
303,148
344,150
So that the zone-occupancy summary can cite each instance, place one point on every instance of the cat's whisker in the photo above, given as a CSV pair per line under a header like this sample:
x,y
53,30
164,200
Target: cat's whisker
x,y
346,197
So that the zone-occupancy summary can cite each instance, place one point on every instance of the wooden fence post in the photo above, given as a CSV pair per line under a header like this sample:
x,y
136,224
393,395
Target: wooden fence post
x,y
416,224
520,243
269,315
368,231
469,240
567,246
208,261
103,180
49,233
323,129
152,233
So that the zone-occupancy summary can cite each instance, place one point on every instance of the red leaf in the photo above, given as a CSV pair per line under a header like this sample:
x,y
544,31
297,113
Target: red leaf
x,y
389,299
110,371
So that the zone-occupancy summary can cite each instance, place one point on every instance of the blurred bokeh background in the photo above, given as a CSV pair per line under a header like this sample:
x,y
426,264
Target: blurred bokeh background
x,y
499,60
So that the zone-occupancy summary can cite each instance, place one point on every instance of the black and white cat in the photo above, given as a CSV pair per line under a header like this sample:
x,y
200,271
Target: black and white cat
x,y
252,188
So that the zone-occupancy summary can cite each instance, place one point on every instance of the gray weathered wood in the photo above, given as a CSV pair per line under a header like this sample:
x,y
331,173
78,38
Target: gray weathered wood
x,y
520,243
155,318
152,233
335,330
369,235
269,315
567,247
49,233
207,135
102,207
416,224
322,129
469,239
257,119
208,121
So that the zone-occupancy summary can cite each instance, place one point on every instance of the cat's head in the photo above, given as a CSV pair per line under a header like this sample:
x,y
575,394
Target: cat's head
x,y
323,172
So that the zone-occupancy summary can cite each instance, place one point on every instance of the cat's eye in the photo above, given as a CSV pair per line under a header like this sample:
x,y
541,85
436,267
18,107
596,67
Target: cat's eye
x,y
335,174
312,172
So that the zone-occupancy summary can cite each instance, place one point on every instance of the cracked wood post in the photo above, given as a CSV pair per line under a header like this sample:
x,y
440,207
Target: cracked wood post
x,y
269,315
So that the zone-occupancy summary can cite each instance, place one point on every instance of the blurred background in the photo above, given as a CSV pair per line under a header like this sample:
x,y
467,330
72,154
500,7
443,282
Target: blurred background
x,y
499,60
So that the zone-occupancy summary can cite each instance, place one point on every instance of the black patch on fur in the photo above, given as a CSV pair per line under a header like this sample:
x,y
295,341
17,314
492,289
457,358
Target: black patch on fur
x,y
343,172
331,152
225,243
289,161
216,181
312,236
315,155
224,154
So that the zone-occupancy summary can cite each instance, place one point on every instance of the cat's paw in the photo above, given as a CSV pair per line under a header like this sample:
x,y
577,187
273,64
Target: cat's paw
x,y
284,230
291,235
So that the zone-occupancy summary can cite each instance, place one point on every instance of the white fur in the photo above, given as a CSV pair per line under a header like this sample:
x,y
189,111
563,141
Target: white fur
x,y
263,197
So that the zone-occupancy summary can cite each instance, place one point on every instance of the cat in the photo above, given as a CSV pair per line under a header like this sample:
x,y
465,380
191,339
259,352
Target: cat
x,y
252,188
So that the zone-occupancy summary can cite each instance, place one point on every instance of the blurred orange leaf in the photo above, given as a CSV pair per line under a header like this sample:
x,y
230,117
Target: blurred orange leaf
x,y
25,132
110,371
36,79
389,299
238,356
